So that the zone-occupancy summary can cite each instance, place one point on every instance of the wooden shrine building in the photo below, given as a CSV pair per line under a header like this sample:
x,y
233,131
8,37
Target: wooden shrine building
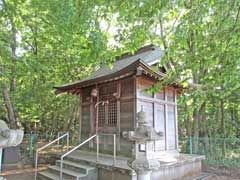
x,y
111,98
124,88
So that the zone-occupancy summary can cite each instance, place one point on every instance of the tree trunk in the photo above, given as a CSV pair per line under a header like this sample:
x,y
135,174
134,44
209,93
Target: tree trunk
x,y
54,129
8,103
223,127
197,116
8,95
69,119
195,131
13,70
14,57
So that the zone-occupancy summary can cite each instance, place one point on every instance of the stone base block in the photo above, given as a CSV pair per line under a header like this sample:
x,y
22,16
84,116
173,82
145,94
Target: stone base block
x,y
185,167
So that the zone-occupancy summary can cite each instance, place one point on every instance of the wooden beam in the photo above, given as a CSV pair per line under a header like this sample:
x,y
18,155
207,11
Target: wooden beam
x,y
159,101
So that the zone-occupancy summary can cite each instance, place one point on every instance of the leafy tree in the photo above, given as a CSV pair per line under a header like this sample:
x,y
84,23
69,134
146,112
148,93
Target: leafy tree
x,y
43,43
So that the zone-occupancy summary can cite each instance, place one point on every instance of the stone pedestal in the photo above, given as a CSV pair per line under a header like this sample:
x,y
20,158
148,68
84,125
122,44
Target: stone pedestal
x,y
11,156
144,167
1,150
144,175
8,138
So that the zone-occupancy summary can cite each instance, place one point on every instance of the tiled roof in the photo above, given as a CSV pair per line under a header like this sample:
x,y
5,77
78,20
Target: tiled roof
x,y
148,55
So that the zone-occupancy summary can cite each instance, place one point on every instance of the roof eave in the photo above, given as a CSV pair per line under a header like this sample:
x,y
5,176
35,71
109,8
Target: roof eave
x,y
127,71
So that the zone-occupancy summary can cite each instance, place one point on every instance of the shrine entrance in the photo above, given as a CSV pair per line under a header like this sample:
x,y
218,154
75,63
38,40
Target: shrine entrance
x,y
107,114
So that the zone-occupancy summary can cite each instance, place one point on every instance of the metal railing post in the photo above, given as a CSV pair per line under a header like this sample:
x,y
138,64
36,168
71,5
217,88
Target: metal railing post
x,y
114,149
61,167
36,165
30,145
67,141
190,145
58,137
97,141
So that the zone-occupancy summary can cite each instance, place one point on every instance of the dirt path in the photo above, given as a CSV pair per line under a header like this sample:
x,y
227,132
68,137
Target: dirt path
x,y
24,176
21,174
30,176
222,178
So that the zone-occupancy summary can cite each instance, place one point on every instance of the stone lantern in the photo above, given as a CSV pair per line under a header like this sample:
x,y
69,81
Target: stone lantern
x,y
8,138
144,137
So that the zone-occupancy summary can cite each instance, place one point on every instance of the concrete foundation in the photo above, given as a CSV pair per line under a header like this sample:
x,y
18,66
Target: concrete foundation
x,y
179,167
188,168
104,174
178,171
184,167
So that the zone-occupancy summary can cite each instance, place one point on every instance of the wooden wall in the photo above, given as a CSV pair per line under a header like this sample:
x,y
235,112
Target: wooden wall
x,y
161,109
127,100
86,113
130,95
121,92
127,112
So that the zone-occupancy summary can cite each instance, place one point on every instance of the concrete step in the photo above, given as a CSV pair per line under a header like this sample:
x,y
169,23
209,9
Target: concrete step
x,y
69,174
78,167
80,160
46,175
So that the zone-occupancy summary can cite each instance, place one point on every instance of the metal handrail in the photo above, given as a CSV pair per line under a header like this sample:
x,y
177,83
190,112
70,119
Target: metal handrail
x,y
45,146
84,142
114,145
75,148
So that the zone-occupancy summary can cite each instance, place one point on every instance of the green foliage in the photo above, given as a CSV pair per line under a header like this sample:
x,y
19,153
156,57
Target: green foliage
x,y
59,41
212,149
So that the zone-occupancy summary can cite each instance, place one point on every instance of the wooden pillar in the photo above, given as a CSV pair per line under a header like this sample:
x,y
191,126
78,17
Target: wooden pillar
x,y
80,120
166,120
176,119
154,112
166,126
118,115
92,120
105,138
135,84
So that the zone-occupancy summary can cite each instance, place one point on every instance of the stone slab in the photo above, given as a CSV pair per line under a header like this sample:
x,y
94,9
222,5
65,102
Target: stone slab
x,y
11,155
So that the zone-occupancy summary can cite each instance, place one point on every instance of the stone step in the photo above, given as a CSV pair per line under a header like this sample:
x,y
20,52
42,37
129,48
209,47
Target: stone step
x,y
69,174
76,166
